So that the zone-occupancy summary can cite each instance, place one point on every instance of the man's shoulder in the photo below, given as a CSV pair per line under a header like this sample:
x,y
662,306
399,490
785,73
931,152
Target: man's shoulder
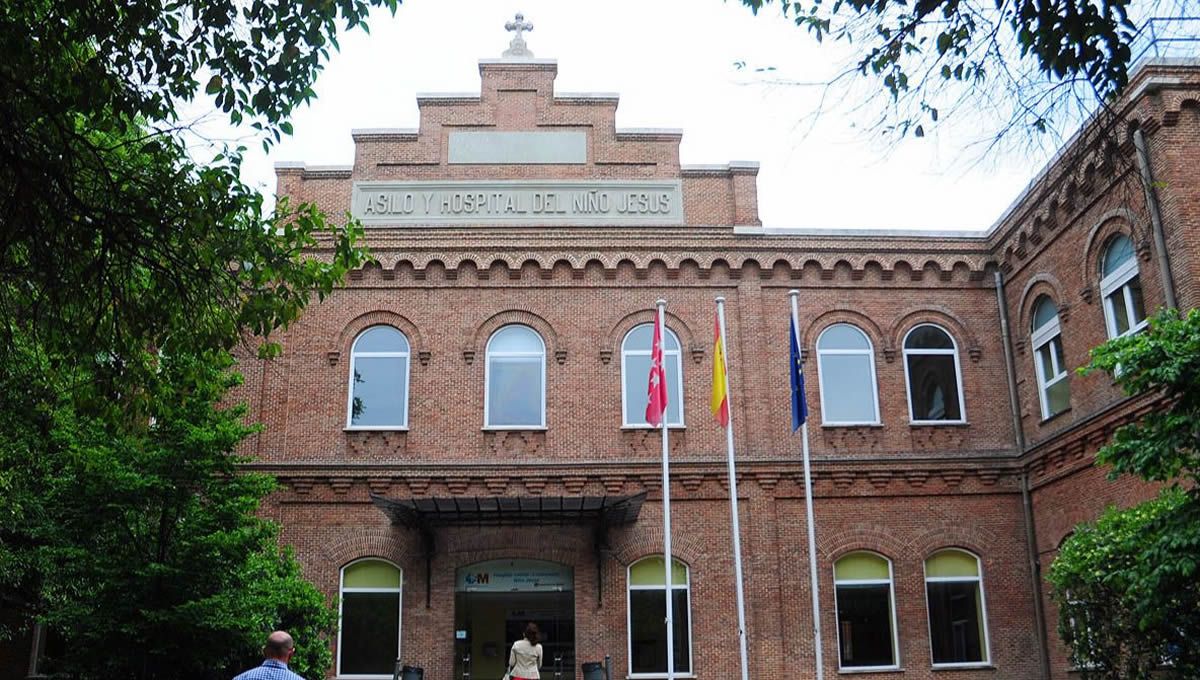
x,y
266,672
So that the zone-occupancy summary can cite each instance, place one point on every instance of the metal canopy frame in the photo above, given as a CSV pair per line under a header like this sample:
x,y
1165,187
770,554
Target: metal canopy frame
x,y
426,515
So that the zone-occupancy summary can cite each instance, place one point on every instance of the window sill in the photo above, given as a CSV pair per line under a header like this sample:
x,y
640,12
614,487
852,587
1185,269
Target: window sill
x,y
513,428
376,429
963,667
1044,421
649,676
937,423
850,425
880,669
634,428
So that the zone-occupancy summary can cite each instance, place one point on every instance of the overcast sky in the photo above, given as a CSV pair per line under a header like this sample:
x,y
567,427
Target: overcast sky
x,y
673,63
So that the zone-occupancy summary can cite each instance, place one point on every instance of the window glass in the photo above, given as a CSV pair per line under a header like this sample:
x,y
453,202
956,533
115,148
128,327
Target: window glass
x,y
379,379
1120,251
1044,312
931,366
846,369
369,630
863,591
516,391
957,619
1050,366
647,617
635,370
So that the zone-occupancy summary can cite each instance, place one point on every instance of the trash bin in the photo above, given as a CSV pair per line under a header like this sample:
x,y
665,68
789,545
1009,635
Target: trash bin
x,y
593,670
412,673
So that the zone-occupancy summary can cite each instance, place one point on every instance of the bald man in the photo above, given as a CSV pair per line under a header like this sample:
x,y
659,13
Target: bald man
x,y
277,652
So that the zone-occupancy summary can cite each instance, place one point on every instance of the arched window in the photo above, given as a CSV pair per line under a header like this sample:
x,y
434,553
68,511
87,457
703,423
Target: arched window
x,y
866,612
515,379
369,613
647,617
635,368
846,373
378,394
1054,388
957,612
934,376
1121,288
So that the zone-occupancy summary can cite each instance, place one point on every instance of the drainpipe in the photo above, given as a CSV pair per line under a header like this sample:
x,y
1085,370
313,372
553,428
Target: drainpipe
x,y
1160,241
1035,567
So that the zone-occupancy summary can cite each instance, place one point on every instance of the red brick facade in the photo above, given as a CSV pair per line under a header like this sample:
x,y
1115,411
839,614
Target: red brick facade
x,y
901,490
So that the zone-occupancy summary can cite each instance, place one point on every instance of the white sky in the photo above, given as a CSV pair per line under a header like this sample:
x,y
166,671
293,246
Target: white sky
x,y
672,62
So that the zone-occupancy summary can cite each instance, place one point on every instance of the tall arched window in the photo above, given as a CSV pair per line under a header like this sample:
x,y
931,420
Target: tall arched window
x,y
957,610
846,372
1121,288
1054,388
647,617
369,613
934,376
378,394
866,612
515,379
635,368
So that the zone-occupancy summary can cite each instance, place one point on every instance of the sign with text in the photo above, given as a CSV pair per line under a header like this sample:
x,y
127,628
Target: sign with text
x,y
505,576
519,202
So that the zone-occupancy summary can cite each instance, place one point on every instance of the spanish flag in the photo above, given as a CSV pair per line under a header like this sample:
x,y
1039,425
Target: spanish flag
x,y
720,392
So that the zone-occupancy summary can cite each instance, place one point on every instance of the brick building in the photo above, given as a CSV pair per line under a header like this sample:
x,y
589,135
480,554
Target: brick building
x,y
459,435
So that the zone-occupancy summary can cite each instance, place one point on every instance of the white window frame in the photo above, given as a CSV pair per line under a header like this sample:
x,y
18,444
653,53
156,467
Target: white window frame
x,y
342,589
1119,280
905,351
891,584
870,353
1047,334
987,637
667,354
487,378
687,587
354,355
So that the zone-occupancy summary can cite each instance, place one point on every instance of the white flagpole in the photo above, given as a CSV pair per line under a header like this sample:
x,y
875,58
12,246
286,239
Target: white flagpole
x,y
662,307
733,499
808,507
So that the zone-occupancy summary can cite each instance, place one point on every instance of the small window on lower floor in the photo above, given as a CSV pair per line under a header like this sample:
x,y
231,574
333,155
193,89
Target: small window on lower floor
x,y
647,617
369,634
957,615
866,630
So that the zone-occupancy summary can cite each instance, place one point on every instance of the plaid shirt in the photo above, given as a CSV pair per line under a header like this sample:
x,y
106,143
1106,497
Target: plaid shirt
x,y
269,670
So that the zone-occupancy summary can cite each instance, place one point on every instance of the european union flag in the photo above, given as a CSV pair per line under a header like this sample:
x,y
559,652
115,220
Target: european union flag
x,y
799,405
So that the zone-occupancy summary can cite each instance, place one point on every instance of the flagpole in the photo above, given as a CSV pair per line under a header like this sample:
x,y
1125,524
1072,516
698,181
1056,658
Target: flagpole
x,y
666,484
808,508
733,500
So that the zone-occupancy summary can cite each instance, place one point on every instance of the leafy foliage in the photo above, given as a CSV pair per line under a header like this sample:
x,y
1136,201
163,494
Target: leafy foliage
x,y
1128,586
935,52
129,271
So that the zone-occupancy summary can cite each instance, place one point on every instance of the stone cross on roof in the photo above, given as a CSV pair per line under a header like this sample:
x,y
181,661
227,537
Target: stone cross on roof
x,y
517,49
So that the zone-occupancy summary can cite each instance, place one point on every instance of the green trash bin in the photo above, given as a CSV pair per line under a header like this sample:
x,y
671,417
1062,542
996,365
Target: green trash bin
x,y
593,670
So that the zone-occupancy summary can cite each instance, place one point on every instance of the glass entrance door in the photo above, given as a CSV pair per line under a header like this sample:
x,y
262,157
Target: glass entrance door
x,y
493,603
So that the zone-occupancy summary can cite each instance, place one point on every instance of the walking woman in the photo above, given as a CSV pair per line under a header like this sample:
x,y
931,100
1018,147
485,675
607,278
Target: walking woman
x,y
525,658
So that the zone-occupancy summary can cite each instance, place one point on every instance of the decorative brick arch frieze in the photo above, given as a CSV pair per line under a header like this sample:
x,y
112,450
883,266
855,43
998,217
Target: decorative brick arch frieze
x,y
859,538
1037,286
1111,223
379,317
813,329
938,315
629,547
383,543
477,345
962,534
616,335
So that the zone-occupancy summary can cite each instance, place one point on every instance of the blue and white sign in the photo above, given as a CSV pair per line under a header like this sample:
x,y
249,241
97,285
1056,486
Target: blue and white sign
x,y
506,576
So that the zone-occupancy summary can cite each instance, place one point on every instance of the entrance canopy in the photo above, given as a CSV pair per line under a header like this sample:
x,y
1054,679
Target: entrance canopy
x,y
429,513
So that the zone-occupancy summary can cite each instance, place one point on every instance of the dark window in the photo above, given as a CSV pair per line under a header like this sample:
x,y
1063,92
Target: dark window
x,y
648,630
932,364
865,625
955,625
370,628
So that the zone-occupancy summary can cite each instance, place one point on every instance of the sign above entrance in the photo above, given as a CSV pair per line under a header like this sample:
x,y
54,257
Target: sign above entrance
x,y
505,576
519,202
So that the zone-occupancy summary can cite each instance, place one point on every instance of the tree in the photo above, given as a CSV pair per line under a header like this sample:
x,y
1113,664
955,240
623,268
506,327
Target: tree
x,y
1043,65
1127,585
129,272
